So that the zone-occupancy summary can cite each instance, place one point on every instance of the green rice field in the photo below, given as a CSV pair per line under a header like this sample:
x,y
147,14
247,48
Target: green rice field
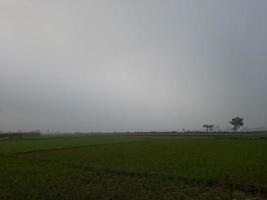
x,y
117,167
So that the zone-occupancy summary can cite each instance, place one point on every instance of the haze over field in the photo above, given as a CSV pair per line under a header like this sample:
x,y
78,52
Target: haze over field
x,y
132,65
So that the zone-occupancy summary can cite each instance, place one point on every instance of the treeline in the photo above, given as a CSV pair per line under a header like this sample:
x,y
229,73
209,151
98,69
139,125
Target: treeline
x,y
168,133
20,134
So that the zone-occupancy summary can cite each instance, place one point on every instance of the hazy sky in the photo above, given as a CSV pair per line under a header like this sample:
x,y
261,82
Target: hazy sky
x,y
115,65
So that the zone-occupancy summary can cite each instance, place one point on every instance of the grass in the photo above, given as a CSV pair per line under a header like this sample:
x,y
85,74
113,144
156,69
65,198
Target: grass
x,y
133,168
45,143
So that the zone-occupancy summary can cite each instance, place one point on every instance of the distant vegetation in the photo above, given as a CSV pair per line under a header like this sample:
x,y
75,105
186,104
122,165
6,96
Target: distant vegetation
x,y
208,127
236,123
20,134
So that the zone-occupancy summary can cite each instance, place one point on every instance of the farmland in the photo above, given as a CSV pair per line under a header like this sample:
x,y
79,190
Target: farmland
x,y
120,167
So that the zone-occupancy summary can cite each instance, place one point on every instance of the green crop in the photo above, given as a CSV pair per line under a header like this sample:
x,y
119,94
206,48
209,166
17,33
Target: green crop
x,y
133,168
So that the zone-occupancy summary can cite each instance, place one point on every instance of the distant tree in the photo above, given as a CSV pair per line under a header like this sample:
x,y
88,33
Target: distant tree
x,y
209,127
206,126
236,122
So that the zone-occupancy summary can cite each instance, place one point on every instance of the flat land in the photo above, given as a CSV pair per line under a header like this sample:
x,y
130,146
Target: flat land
x,y
120,167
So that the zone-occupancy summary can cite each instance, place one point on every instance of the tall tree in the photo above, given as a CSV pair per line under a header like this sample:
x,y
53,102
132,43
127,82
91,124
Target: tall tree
x,y
208,127
236,122
211,127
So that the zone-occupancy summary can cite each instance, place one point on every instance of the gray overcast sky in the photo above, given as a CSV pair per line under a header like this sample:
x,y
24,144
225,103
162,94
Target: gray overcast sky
x,y
115,65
